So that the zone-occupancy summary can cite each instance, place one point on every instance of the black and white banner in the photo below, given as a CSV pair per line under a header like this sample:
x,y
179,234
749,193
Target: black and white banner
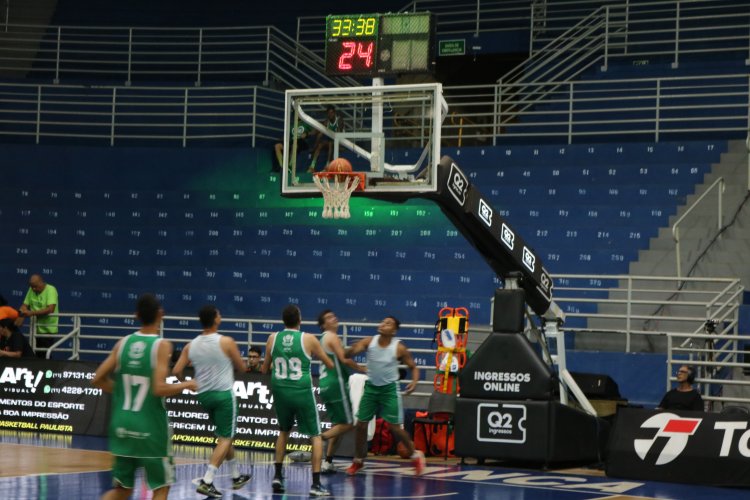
x,y
51,396
256,422
689,447
57,396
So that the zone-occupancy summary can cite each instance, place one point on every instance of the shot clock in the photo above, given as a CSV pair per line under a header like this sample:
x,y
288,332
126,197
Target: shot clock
x,y
379,44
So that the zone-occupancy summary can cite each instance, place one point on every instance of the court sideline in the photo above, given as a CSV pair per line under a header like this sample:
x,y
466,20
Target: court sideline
x,y
45,467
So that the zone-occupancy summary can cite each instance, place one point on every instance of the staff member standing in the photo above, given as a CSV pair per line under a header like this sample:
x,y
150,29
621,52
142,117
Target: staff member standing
x,y
41,302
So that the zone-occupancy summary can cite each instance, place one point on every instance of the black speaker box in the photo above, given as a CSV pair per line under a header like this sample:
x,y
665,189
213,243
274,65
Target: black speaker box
x,y
597,386
508,310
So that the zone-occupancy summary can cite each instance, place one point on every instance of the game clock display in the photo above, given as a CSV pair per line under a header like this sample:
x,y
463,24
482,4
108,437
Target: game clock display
x,y
379,44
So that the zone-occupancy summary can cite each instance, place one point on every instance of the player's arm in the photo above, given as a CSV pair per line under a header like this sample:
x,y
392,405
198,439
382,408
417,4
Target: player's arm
x,y
184,360
267,360
102,378
229,346
160,387
334,344
313,346
358,347
404,356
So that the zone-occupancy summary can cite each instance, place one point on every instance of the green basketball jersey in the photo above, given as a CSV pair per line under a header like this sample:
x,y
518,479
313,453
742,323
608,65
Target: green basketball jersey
x,y
334,381
291,363
138,426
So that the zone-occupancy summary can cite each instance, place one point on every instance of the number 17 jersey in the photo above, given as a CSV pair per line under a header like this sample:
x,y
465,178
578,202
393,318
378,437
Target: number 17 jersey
x,y
138,425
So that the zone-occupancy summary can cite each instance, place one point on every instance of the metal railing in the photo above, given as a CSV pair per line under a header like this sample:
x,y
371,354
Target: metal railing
x,y
719,358
645,307
104,330
69,54
639,31
632,306
666,28
718,184
647,109
114,114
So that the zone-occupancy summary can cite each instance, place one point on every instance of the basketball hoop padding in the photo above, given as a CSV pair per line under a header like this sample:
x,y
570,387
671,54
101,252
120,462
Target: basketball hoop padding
x,y
337,188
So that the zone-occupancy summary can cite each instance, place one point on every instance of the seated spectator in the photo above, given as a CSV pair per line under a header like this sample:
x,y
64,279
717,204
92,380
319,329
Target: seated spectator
x,y
684,396
6,311
297,135
12,342
253,360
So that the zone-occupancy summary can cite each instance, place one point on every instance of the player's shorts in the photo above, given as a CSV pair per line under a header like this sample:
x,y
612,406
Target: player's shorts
x,y
221,407
300,404
159,471
338,404
386,399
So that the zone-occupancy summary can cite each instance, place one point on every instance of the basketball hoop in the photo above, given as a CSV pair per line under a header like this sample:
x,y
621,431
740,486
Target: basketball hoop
x,y
337,188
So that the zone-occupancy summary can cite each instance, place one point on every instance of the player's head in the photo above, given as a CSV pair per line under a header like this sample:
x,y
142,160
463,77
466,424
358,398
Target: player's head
x,y
389,326
148,309
291,316
331,111
209,316
327,321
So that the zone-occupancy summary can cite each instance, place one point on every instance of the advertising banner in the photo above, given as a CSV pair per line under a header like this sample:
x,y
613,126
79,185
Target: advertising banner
x,y
681,446
57,396
527,431
256,422
51,396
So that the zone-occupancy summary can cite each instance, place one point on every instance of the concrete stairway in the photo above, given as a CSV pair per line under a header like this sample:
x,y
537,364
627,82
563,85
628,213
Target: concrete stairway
x,y
703,255
21,34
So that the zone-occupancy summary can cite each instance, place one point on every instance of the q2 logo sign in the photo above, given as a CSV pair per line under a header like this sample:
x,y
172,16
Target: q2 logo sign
x,y
501,423
458,184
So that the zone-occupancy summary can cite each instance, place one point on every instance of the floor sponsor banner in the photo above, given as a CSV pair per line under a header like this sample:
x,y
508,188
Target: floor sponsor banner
x,y
681,446
57,396
256,421
51,396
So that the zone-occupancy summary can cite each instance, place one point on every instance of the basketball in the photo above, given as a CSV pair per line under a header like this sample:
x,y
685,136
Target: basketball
x,y
402,451
339,165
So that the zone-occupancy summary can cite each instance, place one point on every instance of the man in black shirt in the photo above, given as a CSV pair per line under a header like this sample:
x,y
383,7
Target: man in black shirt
x,y
12,342
684,396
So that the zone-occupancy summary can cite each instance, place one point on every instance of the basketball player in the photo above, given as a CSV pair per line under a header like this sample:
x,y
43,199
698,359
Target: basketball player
x,y
334,386
291,385
139,434
382,390
332,123
215,357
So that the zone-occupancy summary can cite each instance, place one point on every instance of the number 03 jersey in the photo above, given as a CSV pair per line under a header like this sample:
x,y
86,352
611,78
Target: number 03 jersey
x,y
138,426
291,362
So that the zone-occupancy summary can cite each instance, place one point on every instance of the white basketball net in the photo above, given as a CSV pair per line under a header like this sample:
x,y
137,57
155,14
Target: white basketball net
x,y
336,194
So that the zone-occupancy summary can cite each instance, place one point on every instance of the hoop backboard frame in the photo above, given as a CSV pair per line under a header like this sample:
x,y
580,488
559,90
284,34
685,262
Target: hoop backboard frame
x,y
368,105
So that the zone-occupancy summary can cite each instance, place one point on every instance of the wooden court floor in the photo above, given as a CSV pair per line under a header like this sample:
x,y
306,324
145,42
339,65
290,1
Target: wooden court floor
x,y
46,467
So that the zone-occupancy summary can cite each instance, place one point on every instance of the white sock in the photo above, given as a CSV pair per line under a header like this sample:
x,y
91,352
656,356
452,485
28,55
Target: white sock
x,y
208,477
234,467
